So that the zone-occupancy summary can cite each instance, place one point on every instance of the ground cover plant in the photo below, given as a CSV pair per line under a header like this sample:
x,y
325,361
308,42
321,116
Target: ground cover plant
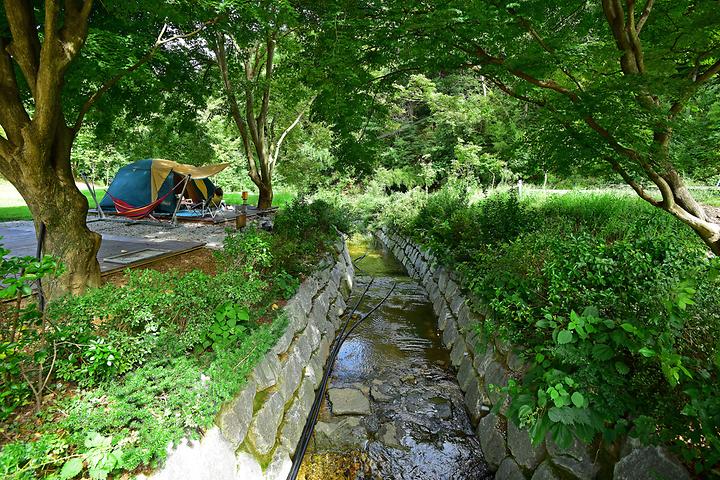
x,y
126,370
614,306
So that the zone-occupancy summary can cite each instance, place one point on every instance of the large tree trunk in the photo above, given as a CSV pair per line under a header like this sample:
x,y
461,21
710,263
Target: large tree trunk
x,y
54,200
266,196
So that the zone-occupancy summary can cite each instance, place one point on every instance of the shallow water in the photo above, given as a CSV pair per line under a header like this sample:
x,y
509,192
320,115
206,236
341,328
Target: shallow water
x,y
416,426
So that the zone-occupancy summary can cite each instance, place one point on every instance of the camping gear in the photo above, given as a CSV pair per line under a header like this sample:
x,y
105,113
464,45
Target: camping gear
x,y
136,213
144,182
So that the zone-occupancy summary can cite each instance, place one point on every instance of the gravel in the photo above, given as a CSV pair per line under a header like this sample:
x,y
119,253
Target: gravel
x,y
211,235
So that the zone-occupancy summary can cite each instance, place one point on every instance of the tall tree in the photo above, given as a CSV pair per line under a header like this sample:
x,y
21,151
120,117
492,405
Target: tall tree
x,y
248,59
46,91
613,75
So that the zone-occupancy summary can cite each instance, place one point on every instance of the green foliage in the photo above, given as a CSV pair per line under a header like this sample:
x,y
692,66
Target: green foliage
x,y
23,345
612,304
230,325
154,359
304,229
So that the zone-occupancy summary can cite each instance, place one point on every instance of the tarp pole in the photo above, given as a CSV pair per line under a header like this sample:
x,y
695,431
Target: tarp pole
x,y
177,204
92,192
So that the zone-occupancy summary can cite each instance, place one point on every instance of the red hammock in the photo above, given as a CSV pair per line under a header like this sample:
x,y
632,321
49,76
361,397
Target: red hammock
x,y
136,213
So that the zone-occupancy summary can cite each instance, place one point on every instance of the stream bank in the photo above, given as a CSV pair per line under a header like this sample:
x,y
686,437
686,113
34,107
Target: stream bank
x,y
393,409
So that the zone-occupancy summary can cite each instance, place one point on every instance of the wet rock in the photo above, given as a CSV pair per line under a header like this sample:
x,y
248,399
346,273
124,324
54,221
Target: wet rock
x,y
451,289
545,472
574,460
347,433
649,463
483,359
522,450
264,427
443,320
465,373
450,334
279,466
457,302
443,407
363,388
496,376
235,417
388,435
379,393
492,440
475,400
409,379
458,352
348,401
509,470
463,317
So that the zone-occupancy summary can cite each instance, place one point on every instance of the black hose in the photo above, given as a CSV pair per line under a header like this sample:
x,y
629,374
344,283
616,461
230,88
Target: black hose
x,y
314,411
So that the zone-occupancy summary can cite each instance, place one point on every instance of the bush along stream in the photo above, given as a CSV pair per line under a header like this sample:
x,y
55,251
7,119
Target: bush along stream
x,y
393,408
125,371
591,325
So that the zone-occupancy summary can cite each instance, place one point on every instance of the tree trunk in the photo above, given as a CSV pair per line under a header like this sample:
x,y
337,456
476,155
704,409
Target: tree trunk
x,y
266,196
54,199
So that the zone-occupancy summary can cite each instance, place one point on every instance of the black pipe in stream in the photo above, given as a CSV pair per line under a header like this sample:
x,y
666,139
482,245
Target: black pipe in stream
x,y
315,410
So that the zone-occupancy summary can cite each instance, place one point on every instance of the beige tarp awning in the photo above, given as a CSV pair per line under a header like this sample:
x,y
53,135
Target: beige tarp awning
x,y
162,168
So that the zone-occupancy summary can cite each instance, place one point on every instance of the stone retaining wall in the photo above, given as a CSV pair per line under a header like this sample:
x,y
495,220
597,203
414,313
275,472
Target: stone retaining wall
x,y
255,434
479,364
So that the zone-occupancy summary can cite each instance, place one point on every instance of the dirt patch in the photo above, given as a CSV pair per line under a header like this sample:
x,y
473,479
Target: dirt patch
x,y
200,259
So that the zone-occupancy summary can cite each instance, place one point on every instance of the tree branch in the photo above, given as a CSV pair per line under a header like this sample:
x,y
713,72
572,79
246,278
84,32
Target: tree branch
x,y
276,151
265,106
644,15
221,56
533,33
546,84
13,115
509,91
25,46
630,181
712,70
92,99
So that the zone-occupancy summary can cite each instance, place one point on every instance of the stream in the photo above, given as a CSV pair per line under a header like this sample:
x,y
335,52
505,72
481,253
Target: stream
x,y
393,408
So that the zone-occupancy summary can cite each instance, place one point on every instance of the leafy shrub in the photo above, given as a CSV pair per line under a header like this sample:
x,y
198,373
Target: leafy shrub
x,y
614,304
303,230
25,353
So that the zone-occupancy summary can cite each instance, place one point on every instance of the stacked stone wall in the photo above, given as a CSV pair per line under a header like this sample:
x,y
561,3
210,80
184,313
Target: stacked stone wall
x,y
256,433
482,362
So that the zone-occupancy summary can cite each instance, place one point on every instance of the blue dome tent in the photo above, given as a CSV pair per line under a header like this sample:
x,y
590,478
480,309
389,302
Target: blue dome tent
x,y
144,181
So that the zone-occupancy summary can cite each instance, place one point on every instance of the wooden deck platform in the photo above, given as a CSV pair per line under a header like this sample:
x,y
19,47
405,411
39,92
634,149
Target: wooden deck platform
x,y
116,253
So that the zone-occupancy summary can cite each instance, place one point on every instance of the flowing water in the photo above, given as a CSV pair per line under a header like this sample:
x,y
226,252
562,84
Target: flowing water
x,y
393,409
